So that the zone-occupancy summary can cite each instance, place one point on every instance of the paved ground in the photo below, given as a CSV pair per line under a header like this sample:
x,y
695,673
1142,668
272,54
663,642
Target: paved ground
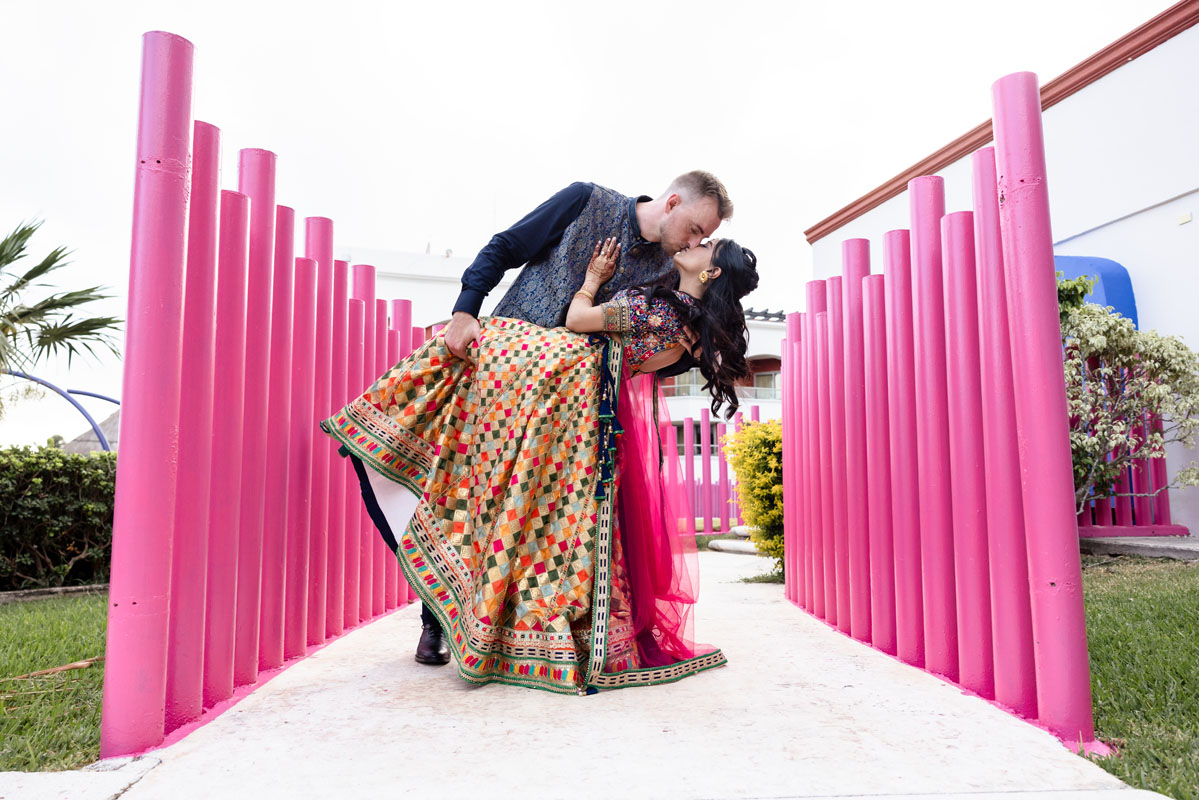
x,y
800,712
1185,548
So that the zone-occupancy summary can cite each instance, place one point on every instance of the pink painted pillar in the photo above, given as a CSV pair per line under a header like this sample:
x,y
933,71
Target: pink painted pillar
x,y
383,561
705,467
220,621
754,413
1103,510
817,302
803,544
275,525
976,663
185,652
671,442
1141,482
689,467
836,404
318,246
826,565
401,320
878,464
722,472
901,421
1161,501
927,202
1055,573
143,522
1011,616
736,503
256,180
397,589
305,452
353,527
418,337
341,479
855,259
1122,501
788,432
363,288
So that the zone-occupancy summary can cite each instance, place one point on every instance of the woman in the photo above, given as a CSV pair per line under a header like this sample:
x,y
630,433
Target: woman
x,y
541,533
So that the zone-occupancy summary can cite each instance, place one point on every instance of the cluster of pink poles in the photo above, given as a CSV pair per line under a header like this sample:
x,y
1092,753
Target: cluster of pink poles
x,y
712,497
925,515
1142,503
239,539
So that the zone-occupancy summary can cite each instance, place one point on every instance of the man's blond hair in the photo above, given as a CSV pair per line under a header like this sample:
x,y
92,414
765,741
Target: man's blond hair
x,y
698,184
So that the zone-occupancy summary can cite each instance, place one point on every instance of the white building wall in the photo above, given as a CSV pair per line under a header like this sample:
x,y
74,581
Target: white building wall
x,y
1123,174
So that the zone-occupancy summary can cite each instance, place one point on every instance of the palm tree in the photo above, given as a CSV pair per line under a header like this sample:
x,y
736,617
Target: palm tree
x,y
30,332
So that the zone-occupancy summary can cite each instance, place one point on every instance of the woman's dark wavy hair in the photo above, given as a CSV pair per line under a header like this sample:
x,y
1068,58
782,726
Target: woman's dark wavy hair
x,y
717,320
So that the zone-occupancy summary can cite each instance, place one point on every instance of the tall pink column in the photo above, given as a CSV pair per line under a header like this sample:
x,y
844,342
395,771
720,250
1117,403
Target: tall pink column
x,y
705,468
397,590
275,518
341,478
799,392
836,404
363,288
256,180
318,246
689,466
817,303
826,564
722,472
303,445
1055,573
901,422
792,510
1141,482
185,653
353,529
384,575
878,464
927,201
736,505
143,523
755,413
220,621
1161,501
976,665
401,320
671,443
1011,616
855,259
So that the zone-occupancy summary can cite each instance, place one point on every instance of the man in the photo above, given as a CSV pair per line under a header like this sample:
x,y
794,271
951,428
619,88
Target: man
x,y
554,243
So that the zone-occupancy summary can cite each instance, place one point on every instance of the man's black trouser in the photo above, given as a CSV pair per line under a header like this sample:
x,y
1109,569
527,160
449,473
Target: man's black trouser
x,y
376,514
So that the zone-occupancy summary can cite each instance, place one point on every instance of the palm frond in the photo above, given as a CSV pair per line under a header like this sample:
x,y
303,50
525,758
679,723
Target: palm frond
x,y
74,336
56,260
12,247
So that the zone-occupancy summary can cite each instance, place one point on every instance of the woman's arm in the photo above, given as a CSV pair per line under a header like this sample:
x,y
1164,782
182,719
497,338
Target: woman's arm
x,y
584,316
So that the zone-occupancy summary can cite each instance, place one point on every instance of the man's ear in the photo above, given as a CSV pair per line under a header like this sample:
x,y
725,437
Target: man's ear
x,y
673,201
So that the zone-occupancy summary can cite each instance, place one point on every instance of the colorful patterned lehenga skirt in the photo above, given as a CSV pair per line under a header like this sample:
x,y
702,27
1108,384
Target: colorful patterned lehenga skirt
x,y
544,538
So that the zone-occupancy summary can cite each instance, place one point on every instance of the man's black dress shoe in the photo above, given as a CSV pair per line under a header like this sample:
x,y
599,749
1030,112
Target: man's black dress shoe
x,y
432,648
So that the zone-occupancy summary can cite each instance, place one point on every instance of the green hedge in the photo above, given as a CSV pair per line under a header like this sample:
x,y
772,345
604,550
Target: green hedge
x,y
55,517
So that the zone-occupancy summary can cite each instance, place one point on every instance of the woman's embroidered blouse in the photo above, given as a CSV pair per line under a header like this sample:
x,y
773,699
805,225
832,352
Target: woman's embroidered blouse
x,y
647,327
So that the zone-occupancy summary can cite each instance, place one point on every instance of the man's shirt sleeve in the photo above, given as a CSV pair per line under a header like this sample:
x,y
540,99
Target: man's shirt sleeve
x,y
541,228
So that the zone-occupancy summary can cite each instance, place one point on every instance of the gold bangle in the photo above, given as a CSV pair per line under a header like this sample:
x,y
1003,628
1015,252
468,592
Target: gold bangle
x,y
586,294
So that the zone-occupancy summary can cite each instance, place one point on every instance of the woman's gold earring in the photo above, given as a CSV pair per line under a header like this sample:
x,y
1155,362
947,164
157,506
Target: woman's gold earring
x,y
703,277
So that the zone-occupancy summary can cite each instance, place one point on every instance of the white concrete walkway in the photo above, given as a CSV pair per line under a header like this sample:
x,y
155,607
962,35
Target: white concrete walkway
x,y
801,711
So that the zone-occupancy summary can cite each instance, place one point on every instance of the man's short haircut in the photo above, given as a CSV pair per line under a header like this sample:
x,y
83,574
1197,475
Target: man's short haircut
x,y
698,184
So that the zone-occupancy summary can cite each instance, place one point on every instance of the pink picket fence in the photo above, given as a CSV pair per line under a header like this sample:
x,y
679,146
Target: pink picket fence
x,y
712,494
1141,506
239,544
925,516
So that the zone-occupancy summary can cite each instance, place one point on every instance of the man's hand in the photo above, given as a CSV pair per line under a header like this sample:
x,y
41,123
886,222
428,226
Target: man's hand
x,y
462,330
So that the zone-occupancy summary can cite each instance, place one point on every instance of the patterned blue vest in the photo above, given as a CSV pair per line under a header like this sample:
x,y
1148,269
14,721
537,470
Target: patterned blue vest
x,y
544,288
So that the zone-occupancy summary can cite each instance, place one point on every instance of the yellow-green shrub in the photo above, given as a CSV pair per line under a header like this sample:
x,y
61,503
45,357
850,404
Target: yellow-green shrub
x,y
756,455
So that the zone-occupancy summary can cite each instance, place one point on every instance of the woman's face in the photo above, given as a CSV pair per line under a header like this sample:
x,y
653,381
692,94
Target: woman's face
x,y
695,260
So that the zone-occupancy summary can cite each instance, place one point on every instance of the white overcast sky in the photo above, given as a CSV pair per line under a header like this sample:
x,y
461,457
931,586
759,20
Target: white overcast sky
x,y
438,123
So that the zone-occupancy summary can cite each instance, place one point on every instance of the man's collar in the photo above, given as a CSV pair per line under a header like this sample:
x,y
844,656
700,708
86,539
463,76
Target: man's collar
x,y
634,225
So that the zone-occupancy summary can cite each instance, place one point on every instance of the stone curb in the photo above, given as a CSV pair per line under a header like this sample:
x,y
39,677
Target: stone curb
x,y
23,595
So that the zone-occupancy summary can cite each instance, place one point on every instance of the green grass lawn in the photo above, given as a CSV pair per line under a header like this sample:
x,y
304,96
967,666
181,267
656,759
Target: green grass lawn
x,y
51,722
1143,629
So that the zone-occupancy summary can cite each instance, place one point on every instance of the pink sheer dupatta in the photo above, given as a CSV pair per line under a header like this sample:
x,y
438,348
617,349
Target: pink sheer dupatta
x,y
657,529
